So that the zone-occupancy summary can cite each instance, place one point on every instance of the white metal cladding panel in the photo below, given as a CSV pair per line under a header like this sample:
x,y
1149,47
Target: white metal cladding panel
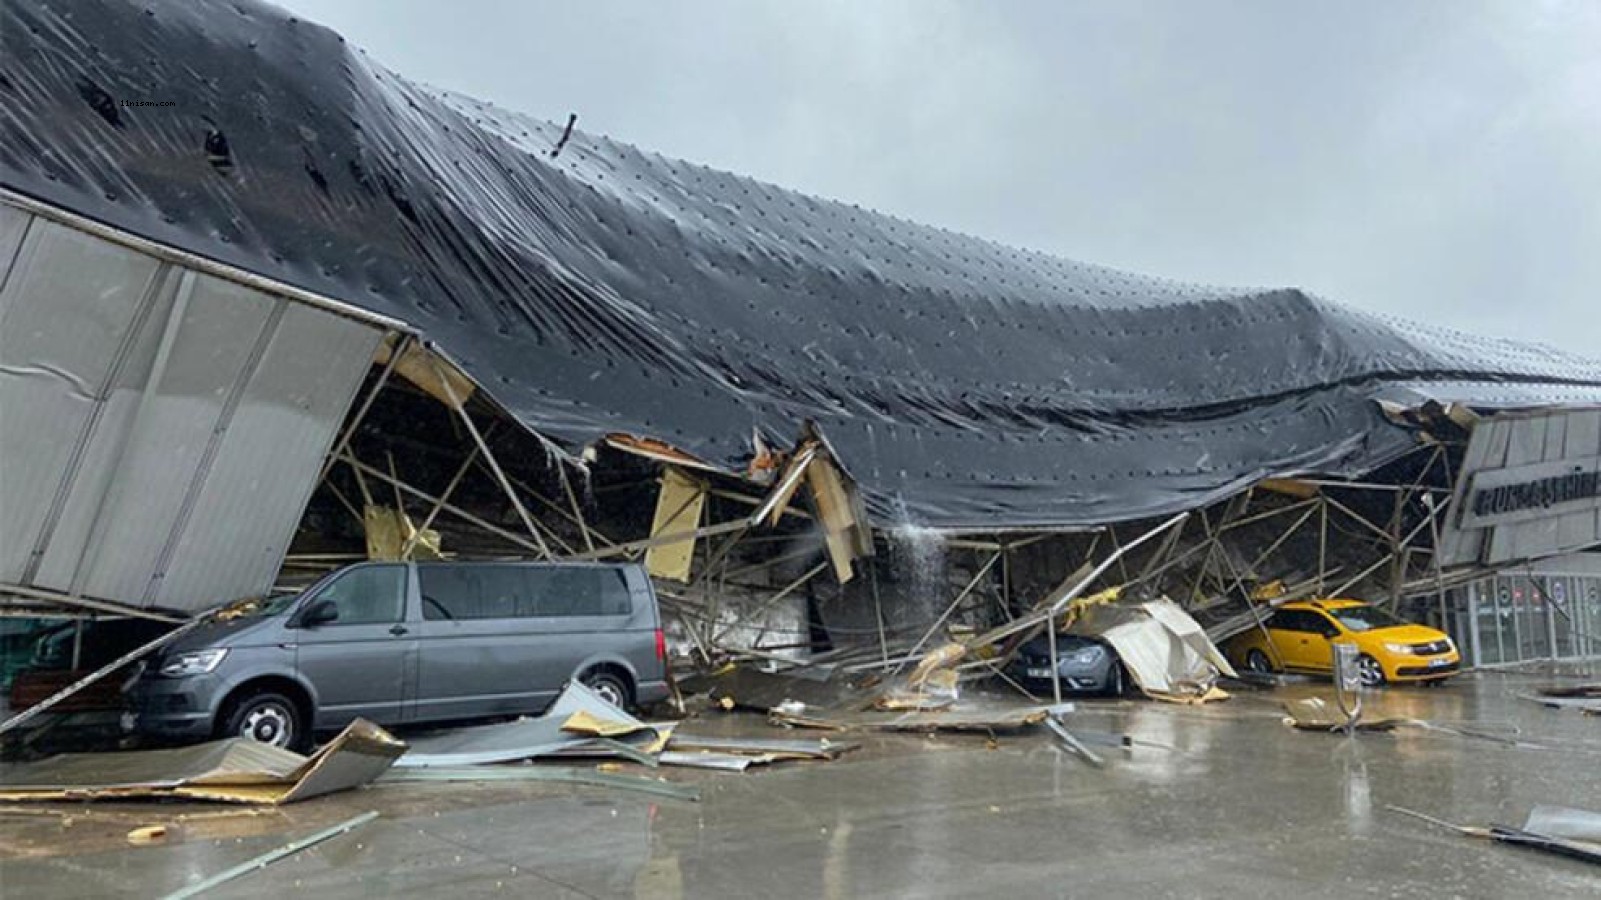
x,y
88,480
1486,450
183,405
245,512
13,224
1576,529
69,302
1538,538
1524,540
1558,436
169,478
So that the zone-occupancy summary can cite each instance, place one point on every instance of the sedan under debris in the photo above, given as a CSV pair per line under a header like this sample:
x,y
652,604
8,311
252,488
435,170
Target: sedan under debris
x,y
1083,664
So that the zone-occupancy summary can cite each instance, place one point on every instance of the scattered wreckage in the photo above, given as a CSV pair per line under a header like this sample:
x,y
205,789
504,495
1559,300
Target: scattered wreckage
x,y
878,460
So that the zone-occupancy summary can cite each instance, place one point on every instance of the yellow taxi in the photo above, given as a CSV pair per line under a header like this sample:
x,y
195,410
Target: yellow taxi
x,y
1299,637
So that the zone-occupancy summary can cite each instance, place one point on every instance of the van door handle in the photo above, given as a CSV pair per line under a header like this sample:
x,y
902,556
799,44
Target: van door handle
x,y
398,630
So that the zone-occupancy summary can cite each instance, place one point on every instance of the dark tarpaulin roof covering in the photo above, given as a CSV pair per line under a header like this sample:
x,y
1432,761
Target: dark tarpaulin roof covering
x,y
615,290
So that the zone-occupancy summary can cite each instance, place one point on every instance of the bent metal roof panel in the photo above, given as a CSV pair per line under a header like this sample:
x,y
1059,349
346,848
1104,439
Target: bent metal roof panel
x,y
609,289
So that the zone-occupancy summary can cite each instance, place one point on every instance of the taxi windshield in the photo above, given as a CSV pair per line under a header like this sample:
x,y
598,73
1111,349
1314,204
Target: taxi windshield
x,y
1364,618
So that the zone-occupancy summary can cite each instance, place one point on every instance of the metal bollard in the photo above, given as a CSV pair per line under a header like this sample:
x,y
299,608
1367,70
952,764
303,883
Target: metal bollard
x,y
1347,684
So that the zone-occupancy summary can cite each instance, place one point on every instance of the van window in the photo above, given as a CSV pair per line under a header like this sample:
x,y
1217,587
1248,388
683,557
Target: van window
x,y
472,592
506,592
367,595
582,591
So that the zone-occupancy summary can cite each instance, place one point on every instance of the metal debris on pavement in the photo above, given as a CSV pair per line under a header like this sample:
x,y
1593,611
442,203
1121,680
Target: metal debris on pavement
x,y
267,859
558,774
236,770
577,706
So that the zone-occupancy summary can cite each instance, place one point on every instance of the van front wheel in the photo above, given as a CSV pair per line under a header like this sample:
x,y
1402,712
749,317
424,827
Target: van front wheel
x,y
608,686
268,717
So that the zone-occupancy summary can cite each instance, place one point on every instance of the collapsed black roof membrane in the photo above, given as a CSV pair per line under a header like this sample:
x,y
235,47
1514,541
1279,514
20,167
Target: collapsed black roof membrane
x,y
610,289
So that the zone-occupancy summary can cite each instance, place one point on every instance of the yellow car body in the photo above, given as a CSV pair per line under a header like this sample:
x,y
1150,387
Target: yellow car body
x,y
1299,637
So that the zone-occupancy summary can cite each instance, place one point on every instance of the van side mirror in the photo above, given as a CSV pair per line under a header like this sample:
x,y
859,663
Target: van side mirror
x,y
320,612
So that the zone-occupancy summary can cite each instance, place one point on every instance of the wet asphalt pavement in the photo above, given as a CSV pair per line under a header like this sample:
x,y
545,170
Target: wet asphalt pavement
x,y
1215,801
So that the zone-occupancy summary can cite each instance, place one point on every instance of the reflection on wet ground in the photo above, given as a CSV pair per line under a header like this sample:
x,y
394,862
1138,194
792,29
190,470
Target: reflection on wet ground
x,y
1214,801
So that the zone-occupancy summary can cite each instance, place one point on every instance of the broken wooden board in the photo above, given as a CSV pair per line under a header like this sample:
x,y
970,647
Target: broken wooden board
x,y
428,372
391,535
840,510
772,508
678,509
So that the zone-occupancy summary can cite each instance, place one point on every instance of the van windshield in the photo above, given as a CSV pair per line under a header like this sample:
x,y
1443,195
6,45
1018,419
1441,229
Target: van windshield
x,y
254,607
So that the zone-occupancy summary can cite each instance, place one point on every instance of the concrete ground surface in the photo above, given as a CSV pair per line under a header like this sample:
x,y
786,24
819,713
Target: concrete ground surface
x,y
1215,801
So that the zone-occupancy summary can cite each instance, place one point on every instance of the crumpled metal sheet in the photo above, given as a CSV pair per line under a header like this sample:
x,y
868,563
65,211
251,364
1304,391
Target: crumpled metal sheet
x,y
236,770
232,761
1318,714
1566,822
1165,651
608,289
548,734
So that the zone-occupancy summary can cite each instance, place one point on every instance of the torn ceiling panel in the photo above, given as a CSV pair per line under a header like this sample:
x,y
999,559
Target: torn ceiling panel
x,y
1165,651
607,289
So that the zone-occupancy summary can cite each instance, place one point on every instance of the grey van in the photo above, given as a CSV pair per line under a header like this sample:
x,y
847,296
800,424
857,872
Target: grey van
x,y
403,643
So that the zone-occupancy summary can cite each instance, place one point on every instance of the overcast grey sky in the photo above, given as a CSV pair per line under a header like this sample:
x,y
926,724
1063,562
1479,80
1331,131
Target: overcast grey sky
x,y
1440,160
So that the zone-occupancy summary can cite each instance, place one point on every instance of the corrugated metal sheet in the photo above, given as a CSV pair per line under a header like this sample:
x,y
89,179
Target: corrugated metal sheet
x,y
68,304
161,429
174,416
84,484
266,462
13,224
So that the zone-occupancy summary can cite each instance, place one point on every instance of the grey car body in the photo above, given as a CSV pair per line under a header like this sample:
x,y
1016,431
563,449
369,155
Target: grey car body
x,y
1084,664
409,643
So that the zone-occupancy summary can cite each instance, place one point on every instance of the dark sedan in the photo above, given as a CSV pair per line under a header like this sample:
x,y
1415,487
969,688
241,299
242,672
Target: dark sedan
x,y
1084,665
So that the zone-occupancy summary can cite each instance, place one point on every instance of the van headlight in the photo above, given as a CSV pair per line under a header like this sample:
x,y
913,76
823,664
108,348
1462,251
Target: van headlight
x,y
1403,649
200,662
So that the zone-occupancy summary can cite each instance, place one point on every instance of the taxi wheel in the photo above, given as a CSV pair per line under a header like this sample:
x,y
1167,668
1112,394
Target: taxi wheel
x,y
1257,661
1369,670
